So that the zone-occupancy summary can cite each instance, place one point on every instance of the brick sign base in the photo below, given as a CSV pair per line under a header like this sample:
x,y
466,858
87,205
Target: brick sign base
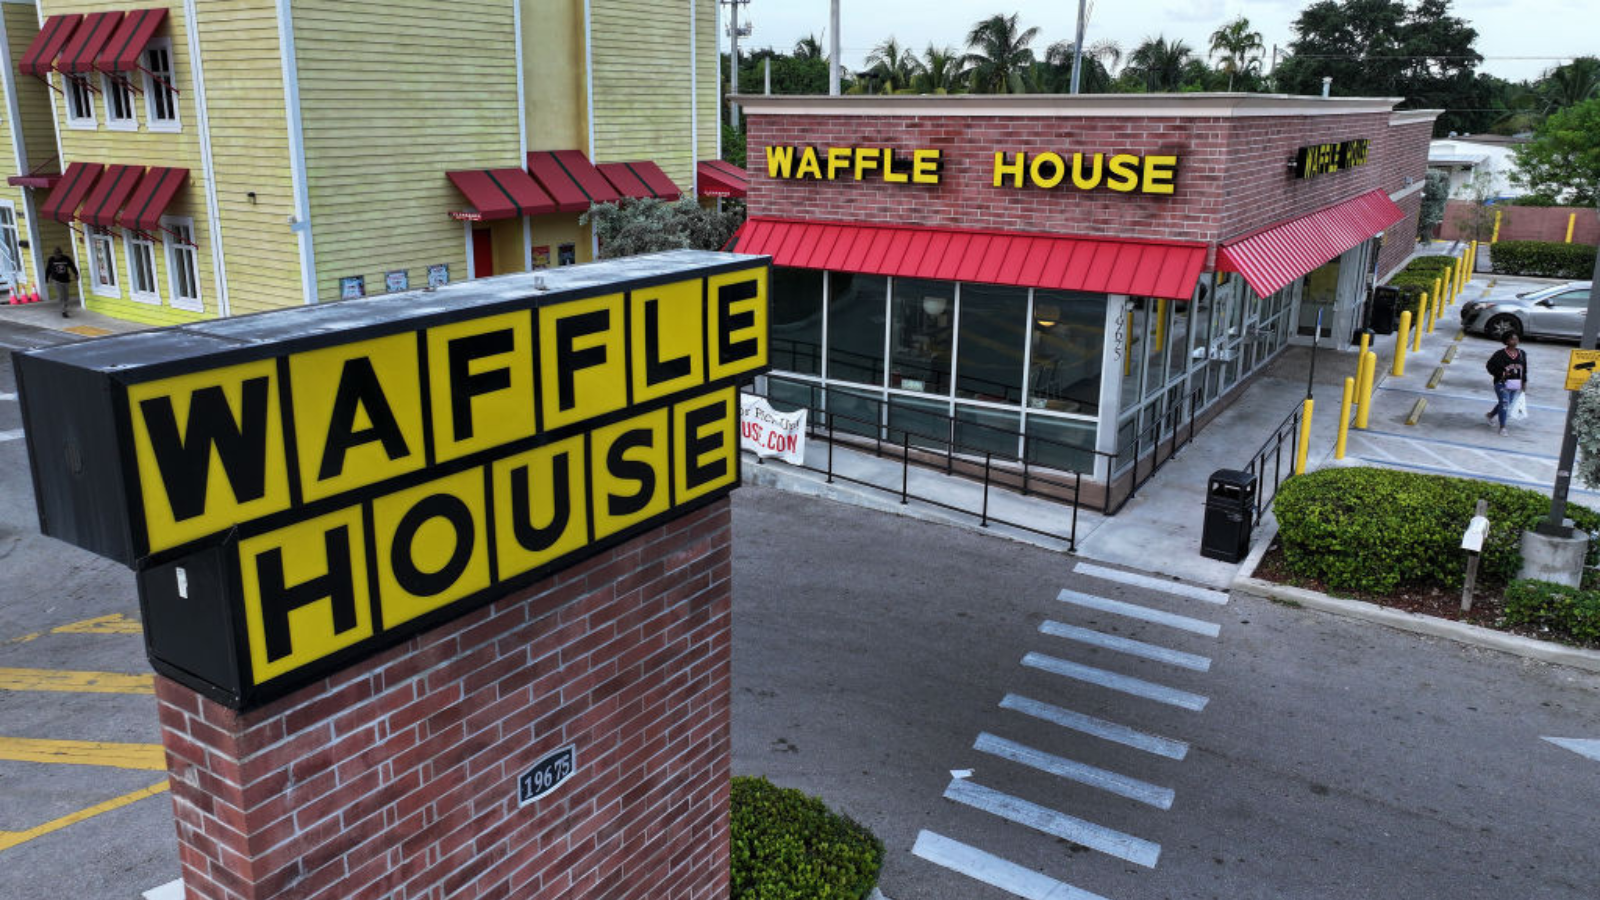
x,y
397,778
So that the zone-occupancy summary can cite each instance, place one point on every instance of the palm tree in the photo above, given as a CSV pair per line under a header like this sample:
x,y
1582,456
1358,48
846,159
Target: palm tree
x,y
808,47
1160,64
1107,49
893,66
1093,78
1240,48
942,70
1571,84
1000,56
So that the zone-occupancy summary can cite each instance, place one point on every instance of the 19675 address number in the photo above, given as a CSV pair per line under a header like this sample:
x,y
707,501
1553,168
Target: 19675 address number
x,y
546,775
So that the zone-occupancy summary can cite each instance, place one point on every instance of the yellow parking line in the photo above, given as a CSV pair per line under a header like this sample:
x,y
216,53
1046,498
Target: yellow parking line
x,y
116,623
75,682
145,757
87,330
9,839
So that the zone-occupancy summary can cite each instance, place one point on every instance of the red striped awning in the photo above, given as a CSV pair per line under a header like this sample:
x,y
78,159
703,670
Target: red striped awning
x,y
75,185
143,210
53,35
640,179
720,178
78,56
104,203
500,194
1278,254
121,52
35,180
1097,265
570,179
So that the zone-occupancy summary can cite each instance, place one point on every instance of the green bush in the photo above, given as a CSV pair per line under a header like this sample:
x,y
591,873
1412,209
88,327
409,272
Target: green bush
x,y
1569,612
1543,259
787,846
1418,276
1365,529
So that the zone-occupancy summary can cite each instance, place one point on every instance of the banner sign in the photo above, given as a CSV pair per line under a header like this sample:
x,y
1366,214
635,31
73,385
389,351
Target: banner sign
x,y
766,432
1325,159
302,488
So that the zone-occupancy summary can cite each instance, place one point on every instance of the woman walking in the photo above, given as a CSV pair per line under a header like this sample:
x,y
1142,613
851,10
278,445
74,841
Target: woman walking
x,y
1509,368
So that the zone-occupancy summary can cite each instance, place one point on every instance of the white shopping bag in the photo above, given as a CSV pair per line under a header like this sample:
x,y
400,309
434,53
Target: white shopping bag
x,y
1519,406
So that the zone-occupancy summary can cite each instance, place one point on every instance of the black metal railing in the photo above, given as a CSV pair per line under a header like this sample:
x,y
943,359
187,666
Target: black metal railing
x,y
1162,430
1272,451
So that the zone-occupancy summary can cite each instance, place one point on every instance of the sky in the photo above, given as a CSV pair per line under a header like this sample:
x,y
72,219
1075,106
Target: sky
x,y
1507,29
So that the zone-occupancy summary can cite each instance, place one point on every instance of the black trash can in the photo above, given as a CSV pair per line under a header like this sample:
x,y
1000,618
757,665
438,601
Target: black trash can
x,y
1386,302
1230,515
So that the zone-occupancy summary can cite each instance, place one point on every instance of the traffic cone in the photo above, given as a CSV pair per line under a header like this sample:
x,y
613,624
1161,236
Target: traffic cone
x,y
34,295
30,294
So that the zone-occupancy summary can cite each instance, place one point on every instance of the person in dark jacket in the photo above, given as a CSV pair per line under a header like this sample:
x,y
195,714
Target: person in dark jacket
x,y
59,272
1509,368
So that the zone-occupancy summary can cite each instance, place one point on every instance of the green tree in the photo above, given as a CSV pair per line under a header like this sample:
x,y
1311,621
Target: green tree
x,y
1563,159
1056,71
808,47
1239,47
631,227
1570,84
1000,55
1158,64
892,66
1435,196
943,71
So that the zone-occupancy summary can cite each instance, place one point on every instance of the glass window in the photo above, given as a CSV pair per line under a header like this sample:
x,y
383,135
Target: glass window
x,y
855,412
1177,339
1135,323
1154,357
855,327
1068,345
119,103
161,101
80,102
1200,337
796,315
1572,300
142,268
922,422
920,337
980,430
994,334
183,271
102,263
1061,443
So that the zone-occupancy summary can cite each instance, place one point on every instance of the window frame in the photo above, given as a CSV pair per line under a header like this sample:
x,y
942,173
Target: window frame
x,y
153,87
70,84
130,241
171,246
112,85
111,288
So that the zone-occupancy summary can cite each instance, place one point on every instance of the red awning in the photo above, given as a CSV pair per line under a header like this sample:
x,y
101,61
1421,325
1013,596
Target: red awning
x,y
1278,254
143,210
569,178
34,180
1098,265
641,179
41,54
79,55
720,178
501,193
104,203
121,53
75,185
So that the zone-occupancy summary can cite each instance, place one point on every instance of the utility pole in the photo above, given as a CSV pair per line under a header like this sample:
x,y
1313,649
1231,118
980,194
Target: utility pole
x,y
1077,44
1556,525
833,50
734,31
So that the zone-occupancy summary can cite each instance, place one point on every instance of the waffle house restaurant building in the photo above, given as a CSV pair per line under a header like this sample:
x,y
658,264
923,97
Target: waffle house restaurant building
x,y
1070,269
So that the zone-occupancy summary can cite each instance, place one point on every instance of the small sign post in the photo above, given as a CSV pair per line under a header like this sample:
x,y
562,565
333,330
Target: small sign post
x,y
1580,365
1472,542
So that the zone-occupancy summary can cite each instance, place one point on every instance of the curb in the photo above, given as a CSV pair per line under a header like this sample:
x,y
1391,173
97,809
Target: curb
x,y
1460,632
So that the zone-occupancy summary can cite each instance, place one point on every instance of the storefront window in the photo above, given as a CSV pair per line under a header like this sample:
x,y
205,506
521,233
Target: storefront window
x,y
920,335
994,331
1136,323
1178,340
1068,345
1061,443
980,430
1154,358
796,314
920,422
855,327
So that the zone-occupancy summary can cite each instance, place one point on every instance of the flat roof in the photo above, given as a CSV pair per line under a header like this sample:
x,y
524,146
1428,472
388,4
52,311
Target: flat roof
x,y
1235,105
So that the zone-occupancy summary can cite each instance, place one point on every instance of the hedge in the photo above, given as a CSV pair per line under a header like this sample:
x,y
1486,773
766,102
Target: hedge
x,y
788,846
1566,611
1543,259
1365,529
1419,274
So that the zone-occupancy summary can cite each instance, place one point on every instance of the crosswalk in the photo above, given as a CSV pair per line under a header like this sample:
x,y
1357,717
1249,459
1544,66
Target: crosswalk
x,y
1167,642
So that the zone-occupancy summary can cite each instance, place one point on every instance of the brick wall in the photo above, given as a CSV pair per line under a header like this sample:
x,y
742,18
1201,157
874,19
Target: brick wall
x,y
396,778
1400,238
1523,223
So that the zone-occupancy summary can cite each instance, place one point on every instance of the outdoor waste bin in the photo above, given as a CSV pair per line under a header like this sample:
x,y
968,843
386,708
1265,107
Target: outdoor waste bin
x,y
1385,312
1230,515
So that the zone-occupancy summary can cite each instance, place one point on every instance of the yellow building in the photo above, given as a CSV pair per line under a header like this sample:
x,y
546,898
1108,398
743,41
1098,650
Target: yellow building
x,y
222,157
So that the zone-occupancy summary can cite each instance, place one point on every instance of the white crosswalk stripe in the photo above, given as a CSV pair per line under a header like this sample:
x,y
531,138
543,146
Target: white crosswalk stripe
x,y
1051,822
1143,613
1100,728
14,434
1149,581
1127,645
1580,746
4,397
980,865
1083,773
1115,681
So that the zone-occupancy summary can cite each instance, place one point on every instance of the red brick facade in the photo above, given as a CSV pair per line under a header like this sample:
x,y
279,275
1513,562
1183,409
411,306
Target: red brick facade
x,y
397,778
1523,223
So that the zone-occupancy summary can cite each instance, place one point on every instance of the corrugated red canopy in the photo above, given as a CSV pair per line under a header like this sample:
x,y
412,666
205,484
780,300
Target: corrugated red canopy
x,y
41,54
79,55
104,203
1097,265
143,210
640,179
569,178
720,178
121,53
69,193
502,193
1274,256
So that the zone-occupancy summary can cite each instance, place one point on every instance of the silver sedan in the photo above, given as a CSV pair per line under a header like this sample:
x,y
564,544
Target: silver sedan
x,y
1556,312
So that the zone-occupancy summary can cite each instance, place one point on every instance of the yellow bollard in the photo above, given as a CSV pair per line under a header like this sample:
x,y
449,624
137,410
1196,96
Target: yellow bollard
x,y
1472,260
1438,285
1305,438
1369,374
1572,219
1433,310
1403,335
1494,237
1450,282
1344,418
1366,341
1161,325
1421,322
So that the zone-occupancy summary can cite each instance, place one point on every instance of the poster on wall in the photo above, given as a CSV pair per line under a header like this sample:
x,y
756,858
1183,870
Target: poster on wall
x,y
438,276
766,432
541,257
353,287
566,255
397,281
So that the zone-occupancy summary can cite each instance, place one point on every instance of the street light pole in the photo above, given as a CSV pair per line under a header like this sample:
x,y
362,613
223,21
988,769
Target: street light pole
x,y
1556,525
1077,44
733,63
833,50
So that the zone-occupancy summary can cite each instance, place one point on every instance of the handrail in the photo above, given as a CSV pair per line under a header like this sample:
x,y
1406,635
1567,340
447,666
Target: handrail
x,y
1290,427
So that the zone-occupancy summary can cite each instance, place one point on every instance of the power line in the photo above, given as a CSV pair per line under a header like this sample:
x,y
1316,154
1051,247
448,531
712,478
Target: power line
x,y
1360,58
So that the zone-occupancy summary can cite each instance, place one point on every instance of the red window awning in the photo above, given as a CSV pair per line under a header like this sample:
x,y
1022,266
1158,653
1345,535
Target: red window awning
x,y
500,194
1278,254
121,52
34,180
150,199
78,56
570,179
103,205
641,179
75,185
1097,265
720,178
40,57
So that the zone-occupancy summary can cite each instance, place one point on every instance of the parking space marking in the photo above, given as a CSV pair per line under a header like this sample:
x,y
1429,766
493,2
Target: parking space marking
x,y
1072,770
75,682
4,397
1126,684
1057,824
983,866
1156,584
1127,645
1580,746
1144,613
13,434
116,623
1100,728
144,757
9,839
